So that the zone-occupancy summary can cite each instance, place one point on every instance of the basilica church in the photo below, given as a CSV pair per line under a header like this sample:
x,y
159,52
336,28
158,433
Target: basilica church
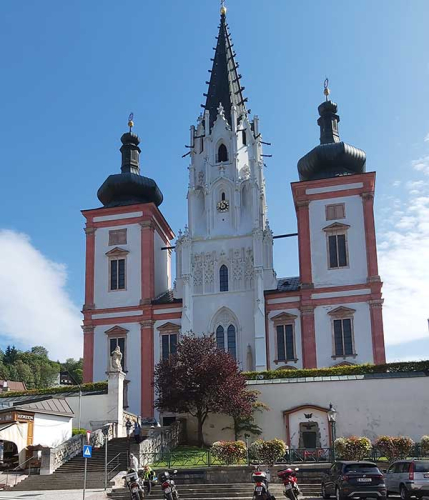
x,y
225,283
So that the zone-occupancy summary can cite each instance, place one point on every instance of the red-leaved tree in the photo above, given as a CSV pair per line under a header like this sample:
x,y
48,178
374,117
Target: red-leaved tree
x,y
201,379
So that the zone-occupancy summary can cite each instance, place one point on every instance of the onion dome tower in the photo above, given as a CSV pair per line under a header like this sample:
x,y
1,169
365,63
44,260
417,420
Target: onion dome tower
x,y
332,157
129,187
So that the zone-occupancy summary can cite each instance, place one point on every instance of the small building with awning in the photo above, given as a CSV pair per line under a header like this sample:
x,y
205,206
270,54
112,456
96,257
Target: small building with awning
x,y
35,423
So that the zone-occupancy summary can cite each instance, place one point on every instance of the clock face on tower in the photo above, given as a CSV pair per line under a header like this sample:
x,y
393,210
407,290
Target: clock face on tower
x,y
223,206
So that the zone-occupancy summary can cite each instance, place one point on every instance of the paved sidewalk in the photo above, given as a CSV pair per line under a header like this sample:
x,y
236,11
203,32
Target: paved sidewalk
x,y
53,495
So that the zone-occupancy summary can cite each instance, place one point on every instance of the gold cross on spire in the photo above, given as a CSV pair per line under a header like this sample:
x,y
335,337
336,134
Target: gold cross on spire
x,y
222,7
326,90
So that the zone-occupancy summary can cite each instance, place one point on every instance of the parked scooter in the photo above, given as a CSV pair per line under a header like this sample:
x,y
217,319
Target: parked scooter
x,y
168,487
134,484
290,482
261,480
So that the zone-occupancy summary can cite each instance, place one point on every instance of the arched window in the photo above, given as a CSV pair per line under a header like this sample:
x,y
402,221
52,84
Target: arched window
x,y
220,338
223,278
244,137
222,153
231,341
222,197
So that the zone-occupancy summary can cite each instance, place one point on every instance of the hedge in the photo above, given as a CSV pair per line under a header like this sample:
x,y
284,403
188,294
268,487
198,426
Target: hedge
x,y
403,367
63,389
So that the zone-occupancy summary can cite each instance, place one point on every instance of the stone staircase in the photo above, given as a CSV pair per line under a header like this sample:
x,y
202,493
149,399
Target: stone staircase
x,y
191,486
70,475
237,491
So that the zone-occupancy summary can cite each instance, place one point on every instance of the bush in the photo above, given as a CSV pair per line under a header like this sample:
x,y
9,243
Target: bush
x,y
424,443
62,389
267,452
394,447
229,452
353,448
403,367
75,432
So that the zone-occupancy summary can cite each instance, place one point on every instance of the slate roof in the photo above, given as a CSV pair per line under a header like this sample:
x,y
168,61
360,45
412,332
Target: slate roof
x,y
287,285
224,85
166,298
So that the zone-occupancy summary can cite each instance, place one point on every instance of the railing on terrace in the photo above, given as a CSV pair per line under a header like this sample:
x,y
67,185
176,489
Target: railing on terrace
x,y
188,458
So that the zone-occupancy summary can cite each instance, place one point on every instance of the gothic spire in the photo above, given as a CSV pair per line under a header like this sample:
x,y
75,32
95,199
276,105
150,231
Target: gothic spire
x,y
224,85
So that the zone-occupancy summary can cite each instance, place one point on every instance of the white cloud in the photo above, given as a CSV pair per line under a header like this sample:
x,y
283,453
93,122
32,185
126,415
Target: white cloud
x,y
427,137
404,267
422,164
396,183
35,308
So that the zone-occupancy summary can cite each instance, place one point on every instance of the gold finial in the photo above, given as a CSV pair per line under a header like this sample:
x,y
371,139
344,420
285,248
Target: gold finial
x,y
326,90
222,7
130,121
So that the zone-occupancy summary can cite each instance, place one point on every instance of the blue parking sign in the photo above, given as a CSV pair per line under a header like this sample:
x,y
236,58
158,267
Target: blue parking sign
x,y
87,451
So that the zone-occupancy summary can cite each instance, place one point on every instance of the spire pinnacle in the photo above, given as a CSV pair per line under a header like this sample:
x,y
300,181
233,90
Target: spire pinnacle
x,y
326,90
224,85
130,121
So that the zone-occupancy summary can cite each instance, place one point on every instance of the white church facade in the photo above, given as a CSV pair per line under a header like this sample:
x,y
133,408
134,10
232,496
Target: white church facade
x,y
225,282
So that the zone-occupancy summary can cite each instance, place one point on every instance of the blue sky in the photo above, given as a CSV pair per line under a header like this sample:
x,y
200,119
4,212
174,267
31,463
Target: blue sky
x,y
72,72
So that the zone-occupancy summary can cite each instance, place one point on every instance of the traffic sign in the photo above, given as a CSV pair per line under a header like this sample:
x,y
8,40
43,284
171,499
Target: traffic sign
x,y
87,451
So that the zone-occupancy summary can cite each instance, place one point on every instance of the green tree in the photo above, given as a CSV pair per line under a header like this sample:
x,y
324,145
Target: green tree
x,y
38,350
25,374
10,355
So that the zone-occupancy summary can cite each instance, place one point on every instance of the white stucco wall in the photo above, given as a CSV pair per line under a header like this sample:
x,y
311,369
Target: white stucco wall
x,y
162,265
371,407
93,410
356,272
132,359
104,298
362,335
51,430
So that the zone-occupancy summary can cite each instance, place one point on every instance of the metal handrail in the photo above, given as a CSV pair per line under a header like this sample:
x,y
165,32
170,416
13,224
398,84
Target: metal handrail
x,y
116,466
19,467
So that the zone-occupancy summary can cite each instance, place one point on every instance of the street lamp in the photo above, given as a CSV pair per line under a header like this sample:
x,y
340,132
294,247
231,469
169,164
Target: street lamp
x,y
332,417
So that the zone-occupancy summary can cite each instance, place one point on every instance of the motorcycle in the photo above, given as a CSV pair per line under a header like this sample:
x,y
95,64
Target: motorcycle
x,y
134,485
290,482
261,480
168,487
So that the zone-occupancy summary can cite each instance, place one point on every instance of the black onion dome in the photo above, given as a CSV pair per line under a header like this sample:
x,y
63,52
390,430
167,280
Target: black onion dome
x,y
129,187
332,158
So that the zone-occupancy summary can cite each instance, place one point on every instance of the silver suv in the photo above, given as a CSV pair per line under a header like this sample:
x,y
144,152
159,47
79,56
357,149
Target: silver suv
x,y
409,478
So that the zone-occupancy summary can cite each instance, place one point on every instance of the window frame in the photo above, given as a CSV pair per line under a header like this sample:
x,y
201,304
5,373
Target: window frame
x,y
337,229
115,233
222,278
117,254
283,320
343,313
335,207
168,329
218,156
225,337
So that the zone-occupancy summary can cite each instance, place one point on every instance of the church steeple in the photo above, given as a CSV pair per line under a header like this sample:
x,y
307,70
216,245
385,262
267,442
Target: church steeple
x,y
224,85
332,157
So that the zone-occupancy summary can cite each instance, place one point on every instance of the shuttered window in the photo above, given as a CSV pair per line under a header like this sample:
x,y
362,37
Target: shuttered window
x,y
343,337
117,274
168,345
336,211
337,246
285,343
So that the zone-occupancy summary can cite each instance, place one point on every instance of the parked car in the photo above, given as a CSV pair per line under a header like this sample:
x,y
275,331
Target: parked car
x,y
354,479
409,478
